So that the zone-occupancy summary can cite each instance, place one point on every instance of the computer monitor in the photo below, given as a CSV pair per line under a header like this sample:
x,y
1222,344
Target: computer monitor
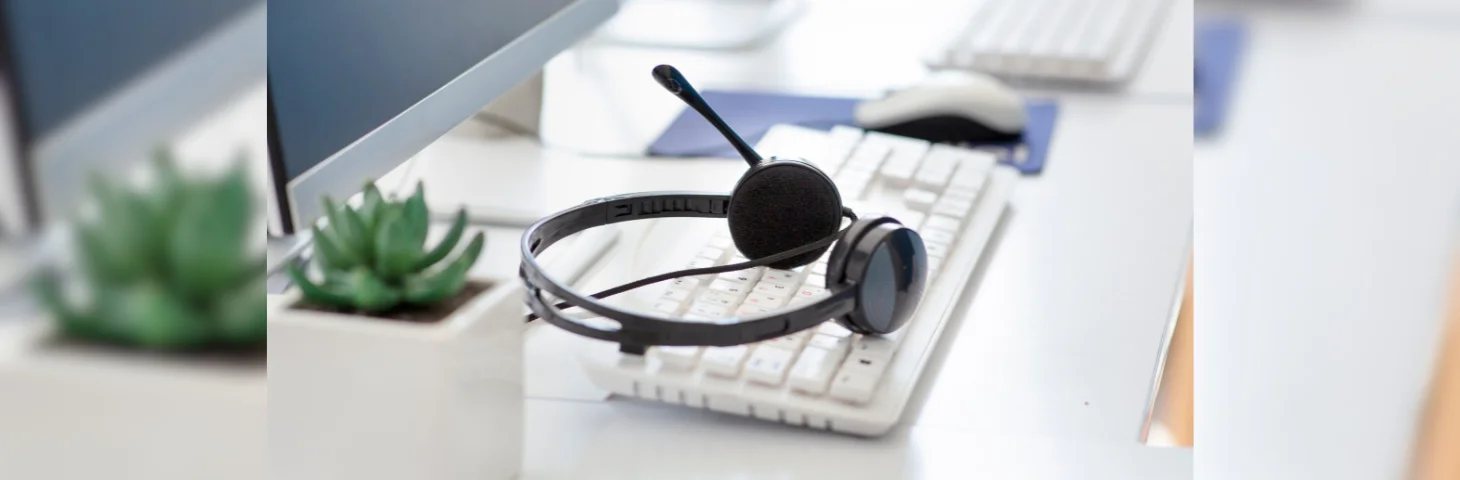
x,y
358,87
95,86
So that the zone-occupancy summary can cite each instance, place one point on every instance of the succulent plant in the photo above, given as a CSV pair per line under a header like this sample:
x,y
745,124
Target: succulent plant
x,y
167,268
374,259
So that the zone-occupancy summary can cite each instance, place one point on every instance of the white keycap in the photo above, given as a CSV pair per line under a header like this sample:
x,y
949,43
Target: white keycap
x,y
677,356
936,250
747,277
697,318
724,361
919,199
768,365
722,241
815,280
670,308
878,346
708,309
808,293
852,184
830,343
937,236
908,218
853,386
713,297
952,208
763,300
818,268
747,311
813,370
738,289
773,288
786,277
675,295
841,141
942,222
961,193
833,329
714,254
700,263
685,283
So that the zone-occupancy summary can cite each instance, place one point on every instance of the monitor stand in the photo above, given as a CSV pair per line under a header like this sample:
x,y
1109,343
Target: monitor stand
x,y
700,24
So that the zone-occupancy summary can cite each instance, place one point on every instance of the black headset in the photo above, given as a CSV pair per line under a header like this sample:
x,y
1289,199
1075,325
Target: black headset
x,y
783,213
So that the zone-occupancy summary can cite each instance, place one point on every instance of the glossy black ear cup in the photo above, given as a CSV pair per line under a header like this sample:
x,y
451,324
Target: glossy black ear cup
x,y
888,267
836,264
782,204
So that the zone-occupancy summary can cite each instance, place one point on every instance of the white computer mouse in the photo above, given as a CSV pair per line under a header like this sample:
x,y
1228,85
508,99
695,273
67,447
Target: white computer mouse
x,y
949,107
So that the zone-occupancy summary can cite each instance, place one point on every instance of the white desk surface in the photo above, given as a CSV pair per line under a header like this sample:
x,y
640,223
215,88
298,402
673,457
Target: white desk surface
x,y
1326,213
1049,373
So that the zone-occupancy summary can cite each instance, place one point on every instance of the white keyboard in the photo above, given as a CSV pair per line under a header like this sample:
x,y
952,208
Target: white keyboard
x,y
826,377
1099,41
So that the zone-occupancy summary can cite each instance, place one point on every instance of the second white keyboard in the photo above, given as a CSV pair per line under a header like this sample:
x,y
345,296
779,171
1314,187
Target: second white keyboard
x,y
824,378
1101,41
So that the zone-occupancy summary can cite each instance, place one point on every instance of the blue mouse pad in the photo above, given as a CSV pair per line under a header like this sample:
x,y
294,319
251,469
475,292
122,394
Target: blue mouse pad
x,y
1219,45
752,114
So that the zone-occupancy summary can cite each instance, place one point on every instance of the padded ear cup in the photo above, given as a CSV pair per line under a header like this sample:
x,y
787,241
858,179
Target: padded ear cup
x,y
782,204
836,265
888,268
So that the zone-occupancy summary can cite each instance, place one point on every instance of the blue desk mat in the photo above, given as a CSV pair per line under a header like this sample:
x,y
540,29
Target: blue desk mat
x,y
753,114
1218,46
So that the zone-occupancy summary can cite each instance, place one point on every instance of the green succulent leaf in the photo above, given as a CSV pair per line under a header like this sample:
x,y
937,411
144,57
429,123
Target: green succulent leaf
x,y
154,317
369,208
426,290
397,247
206,249
332,294
447,243
48,291
417,217
370,294
126,233
331,254
349,230
242,315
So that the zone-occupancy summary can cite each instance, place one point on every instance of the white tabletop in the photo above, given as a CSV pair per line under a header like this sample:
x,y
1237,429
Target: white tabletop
x,y
1049,372
1326,212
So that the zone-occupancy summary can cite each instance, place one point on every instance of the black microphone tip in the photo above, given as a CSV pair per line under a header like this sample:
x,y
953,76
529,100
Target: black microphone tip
x,y
668,77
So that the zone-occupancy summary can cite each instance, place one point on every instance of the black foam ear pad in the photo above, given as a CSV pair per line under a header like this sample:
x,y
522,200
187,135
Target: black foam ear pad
x,y
780,205
836,265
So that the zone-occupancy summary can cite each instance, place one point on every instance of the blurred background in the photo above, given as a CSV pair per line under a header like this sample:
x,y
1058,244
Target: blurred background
x,y
132,151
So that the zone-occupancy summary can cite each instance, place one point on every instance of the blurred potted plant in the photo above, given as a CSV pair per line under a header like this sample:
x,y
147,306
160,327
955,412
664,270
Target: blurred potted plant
x,y
165,321
393,355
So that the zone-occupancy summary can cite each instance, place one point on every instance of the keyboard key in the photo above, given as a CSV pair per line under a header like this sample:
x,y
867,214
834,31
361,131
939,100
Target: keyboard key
x,y
833,329
670,308
942,222
830,343
774,289
854,386
768,365
722,241
719,298
714,254
810,292
937,236
818,268
813,370
936,250
841,141
763,300
750,311
678,295
708,309
919,199
724,361
785,277
953,208
742,276
678,356
734,288
879,346
815,280
792,342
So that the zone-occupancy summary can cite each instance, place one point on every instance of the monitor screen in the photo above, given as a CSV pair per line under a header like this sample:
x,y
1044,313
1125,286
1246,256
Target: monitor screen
x,y
66,56
338,69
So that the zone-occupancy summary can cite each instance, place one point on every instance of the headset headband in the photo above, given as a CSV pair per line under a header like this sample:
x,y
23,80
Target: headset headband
x,y
638,330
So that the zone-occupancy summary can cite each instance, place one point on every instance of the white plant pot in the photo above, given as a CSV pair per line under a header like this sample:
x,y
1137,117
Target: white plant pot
x,y
84,412
367,398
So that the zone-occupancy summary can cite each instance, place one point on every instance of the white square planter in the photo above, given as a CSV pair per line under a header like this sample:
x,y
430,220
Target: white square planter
x,y
82,412
367,398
